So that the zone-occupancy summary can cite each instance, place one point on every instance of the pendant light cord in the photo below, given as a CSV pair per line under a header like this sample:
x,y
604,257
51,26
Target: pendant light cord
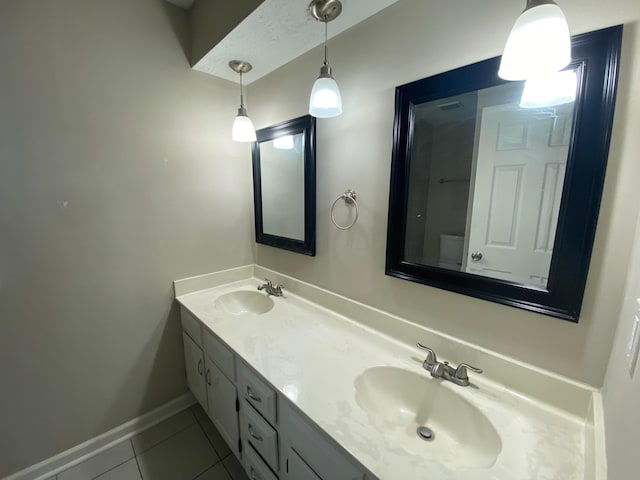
x,y
241,95
326,21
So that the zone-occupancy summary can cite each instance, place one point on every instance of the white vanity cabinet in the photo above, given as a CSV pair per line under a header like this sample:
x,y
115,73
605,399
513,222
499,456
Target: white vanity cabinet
x,y
210,367
276,441
279,440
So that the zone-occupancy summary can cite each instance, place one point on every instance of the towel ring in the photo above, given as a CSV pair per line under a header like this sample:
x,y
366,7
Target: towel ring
x,y
349,196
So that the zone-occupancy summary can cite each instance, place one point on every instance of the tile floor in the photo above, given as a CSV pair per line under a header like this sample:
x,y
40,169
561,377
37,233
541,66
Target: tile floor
x,y
184,447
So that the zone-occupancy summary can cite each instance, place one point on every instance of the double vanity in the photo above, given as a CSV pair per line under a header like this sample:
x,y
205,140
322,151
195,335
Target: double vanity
x,y
300,391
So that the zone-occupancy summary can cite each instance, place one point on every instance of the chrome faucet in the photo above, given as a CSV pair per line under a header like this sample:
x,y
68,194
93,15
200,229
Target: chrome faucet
x,y
438,369
270,288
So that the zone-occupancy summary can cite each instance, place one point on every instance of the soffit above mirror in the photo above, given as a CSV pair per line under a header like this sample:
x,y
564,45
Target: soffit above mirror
x,y
273,34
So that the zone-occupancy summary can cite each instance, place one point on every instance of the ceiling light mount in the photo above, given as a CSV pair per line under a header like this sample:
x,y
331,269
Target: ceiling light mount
x,y
240,66
325,10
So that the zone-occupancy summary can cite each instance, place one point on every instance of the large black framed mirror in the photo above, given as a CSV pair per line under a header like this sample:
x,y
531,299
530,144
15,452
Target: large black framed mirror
x,y
496,186
284,185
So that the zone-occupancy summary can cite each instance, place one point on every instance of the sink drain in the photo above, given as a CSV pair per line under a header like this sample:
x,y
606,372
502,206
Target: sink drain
x,y
425,433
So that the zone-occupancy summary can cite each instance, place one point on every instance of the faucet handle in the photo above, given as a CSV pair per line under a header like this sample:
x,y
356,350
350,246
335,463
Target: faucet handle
x,y
461,371
431,359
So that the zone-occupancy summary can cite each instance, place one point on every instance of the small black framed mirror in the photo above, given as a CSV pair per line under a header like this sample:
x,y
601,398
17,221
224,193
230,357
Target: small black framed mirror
x,y
496,185
284,185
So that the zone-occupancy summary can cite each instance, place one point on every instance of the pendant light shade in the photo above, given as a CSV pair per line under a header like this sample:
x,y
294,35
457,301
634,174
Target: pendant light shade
x,y
325,100
539,42
242,130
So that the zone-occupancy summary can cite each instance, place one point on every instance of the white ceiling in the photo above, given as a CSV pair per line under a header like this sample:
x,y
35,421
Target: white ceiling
x,y
277,32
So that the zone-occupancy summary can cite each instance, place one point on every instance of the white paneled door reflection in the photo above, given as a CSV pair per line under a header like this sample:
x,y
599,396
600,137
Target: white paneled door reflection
x,y
520,162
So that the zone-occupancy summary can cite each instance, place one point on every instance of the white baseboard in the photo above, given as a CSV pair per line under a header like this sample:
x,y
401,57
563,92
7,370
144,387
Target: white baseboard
x,y
96,445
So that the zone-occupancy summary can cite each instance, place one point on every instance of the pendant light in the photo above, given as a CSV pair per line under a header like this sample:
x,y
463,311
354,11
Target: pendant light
x,y
325,100
539,43
242,130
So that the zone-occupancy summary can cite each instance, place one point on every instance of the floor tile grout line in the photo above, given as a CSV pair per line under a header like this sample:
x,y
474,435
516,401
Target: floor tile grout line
x,y
227,470
138,465
163,440
224,466
211,443
115,466
219,456
205,470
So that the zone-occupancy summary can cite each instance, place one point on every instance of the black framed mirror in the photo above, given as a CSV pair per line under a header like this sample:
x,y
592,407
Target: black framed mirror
x,y
284,185
496,185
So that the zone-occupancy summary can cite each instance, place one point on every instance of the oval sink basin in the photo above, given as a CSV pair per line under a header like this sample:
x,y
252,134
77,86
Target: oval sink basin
x,y
398,402
244,302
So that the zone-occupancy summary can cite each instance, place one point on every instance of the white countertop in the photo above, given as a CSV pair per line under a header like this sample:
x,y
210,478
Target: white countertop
x,y
314,356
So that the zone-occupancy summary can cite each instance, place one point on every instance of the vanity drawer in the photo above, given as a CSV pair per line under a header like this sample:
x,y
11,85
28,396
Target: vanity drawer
x,y
219,354
262,436
191,325
306,451
255,466
258,393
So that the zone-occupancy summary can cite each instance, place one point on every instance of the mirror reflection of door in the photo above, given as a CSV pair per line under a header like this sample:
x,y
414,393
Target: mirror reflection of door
x,y
486,178
517,192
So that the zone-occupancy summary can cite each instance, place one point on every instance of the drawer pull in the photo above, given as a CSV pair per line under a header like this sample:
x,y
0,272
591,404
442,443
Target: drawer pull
x,y
200,367
252,396
253,434
207,376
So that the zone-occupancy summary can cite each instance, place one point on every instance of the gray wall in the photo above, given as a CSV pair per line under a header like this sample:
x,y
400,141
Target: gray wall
x,y
117,176
621,391
354,151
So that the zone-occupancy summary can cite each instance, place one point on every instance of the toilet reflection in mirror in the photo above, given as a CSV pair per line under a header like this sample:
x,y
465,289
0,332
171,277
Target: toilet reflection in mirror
x,y
486,178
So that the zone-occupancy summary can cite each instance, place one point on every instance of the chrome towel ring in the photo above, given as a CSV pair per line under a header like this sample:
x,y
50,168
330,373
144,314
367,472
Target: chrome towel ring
x,y
349,196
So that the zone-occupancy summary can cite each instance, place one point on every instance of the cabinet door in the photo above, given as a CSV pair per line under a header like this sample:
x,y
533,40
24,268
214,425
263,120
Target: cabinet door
x,y
305,451
297,468
194,363
222,405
